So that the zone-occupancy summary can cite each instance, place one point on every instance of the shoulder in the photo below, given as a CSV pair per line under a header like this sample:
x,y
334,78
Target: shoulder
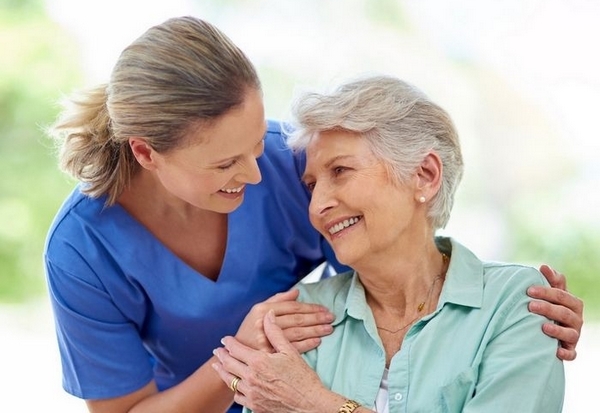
x,y
502,276
495,275
329,291
76,212
85,232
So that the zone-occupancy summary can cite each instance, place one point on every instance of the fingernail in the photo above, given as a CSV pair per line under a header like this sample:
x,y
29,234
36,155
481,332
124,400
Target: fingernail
x,y
223,341
533,290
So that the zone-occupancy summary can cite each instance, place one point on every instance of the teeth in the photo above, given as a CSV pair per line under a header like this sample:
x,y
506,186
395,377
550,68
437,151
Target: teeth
x,y
344,224
232,190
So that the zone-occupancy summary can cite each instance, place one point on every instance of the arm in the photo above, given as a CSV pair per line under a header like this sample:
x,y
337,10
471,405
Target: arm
x,y
277,382
518,370
566,310
204,390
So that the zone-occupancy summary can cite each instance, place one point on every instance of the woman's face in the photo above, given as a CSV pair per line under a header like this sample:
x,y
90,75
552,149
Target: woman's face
x,y
213,173
355,204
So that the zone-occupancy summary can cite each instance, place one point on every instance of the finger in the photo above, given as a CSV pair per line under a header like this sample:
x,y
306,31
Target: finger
x,y
558,297
302,346
568,337
566,355
294,307
290,295
558,313
235,356
312,316
225,375
555,279
297,334
291,307
228,364
275,335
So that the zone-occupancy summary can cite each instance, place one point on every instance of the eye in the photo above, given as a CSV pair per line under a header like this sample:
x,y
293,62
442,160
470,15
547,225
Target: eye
x,y
227,165
337,170
310,186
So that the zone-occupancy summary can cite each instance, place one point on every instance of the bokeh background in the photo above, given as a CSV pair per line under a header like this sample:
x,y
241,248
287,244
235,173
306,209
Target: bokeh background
x,y
521,79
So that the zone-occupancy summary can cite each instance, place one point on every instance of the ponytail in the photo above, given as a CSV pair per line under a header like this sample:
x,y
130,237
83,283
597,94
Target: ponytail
x,y
88,150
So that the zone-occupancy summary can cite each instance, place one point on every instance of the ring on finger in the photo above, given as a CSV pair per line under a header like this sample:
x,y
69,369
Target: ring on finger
x,y
234,383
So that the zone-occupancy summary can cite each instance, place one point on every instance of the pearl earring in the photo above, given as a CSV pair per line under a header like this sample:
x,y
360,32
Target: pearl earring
x,y
422,199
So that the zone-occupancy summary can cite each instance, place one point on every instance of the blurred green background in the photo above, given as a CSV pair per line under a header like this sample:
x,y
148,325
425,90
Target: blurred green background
x,y
38,61
520,200
520,78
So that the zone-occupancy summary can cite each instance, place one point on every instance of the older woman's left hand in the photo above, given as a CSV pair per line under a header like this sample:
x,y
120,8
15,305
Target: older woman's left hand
x,y
274,382
561,306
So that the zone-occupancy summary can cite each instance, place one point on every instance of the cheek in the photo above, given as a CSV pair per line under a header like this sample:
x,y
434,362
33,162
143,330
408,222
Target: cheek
x,y
185,183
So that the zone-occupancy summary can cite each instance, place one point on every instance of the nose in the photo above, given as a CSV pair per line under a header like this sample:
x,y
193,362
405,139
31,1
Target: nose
x,y
322,200
252,172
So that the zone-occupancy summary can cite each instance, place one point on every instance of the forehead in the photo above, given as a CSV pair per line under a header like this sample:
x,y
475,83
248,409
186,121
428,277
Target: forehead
x,y
335,144
232,132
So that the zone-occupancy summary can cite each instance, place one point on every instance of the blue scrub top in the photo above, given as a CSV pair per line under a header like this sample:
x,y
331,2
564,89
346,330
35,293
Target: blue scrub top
x,y
127,310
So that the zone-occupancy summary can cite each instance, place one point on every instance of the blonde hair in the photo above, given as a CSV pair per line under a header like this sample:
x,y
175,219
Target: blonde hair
x,y
400,123
181,74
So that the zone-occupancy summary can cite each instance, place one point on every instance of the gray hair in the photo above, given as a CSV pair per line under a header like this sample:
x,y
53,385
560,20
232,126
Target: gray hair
x,y
177,76
400,123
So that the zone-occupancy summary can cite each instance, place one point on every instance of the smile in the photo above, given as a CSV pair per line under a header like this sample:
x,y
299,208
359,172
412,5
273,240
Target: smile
x,y
343,225
232,190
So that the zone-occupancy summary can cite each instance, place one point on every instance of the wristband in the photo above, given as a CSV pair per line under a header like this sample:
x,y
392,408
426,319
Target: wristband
x,y
349,407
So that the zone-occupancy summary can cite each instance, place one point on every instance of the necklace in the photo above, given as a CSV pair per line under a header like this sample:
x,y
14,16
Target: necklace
x,y
421,305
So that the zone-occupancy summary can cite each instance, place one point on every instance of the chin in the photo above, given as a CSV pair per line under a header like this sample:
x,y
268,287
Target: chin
x,y
345,259
227,207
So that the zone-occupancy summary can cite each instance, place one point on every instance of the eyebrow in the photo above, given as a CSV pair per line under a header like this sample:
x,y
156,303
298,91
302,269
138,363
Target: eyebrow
x,y
328,164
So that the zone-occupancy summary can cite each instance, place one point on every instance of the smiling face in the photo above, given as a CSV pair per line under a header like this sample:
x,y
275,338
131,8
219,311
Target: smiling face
x,y
212,174
355,204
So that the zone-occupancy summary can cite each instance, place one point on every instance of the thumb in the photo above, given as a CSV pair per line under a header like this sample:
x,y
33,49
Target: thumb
x,y
275,335
555,279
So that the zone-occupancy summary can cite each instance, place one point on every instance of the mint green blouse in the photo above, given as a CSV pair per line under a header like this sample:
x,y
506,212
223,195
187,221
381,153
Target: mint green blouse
x,y
480,351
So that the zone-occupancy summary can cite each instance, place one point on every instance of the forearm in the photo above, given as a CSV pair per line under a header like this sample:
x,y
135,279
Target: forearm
x,y
202,391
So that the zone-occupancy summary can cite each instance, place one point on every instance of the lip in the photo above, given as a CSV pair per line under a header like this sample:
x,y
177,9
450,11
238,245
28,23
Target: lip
x,y
232,193
339,226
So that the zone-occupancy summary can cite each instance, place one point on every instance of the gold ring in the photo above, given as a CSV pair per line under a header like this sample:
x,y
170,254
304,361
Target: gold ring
x,y
234,383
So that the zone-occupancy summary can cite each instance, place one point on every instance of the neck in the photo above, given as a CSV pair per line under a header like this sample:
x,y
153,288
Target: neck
x,y
412,281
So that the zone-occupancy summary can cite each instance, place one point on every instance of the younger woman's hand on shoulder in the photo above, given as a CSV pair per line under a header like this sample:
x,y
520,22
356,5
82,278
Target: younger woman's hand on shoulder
x,y
557,304
303,324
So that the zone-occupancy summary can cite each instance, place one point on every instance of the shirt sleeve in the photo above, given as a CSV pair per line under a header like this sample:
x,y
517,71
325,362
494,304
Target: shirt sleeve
x,y
519,370
101,351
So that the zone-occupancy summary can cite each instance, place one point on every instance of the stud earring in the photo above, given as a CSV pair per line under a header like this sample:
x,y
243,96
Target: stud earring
x,y
422,199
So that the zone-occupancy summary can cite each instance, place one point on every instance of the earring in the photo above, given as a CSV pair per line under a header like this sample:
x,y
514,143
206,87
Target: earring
x,y
422,199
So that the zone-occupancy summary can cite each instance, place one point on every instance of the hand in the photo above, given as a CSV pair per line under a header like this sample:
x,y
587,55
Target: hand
x,y
275,382
561,306
303,324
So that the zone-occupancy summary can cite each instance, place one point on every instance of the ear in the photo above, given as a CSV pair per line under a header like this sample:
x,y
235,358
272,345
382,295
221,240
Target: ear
x,y
143,152
428,177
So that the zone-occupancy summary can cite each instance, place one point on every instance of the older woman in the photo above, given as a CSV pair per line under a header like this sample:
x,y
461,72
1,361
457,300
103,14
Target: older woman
x,y
422,325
